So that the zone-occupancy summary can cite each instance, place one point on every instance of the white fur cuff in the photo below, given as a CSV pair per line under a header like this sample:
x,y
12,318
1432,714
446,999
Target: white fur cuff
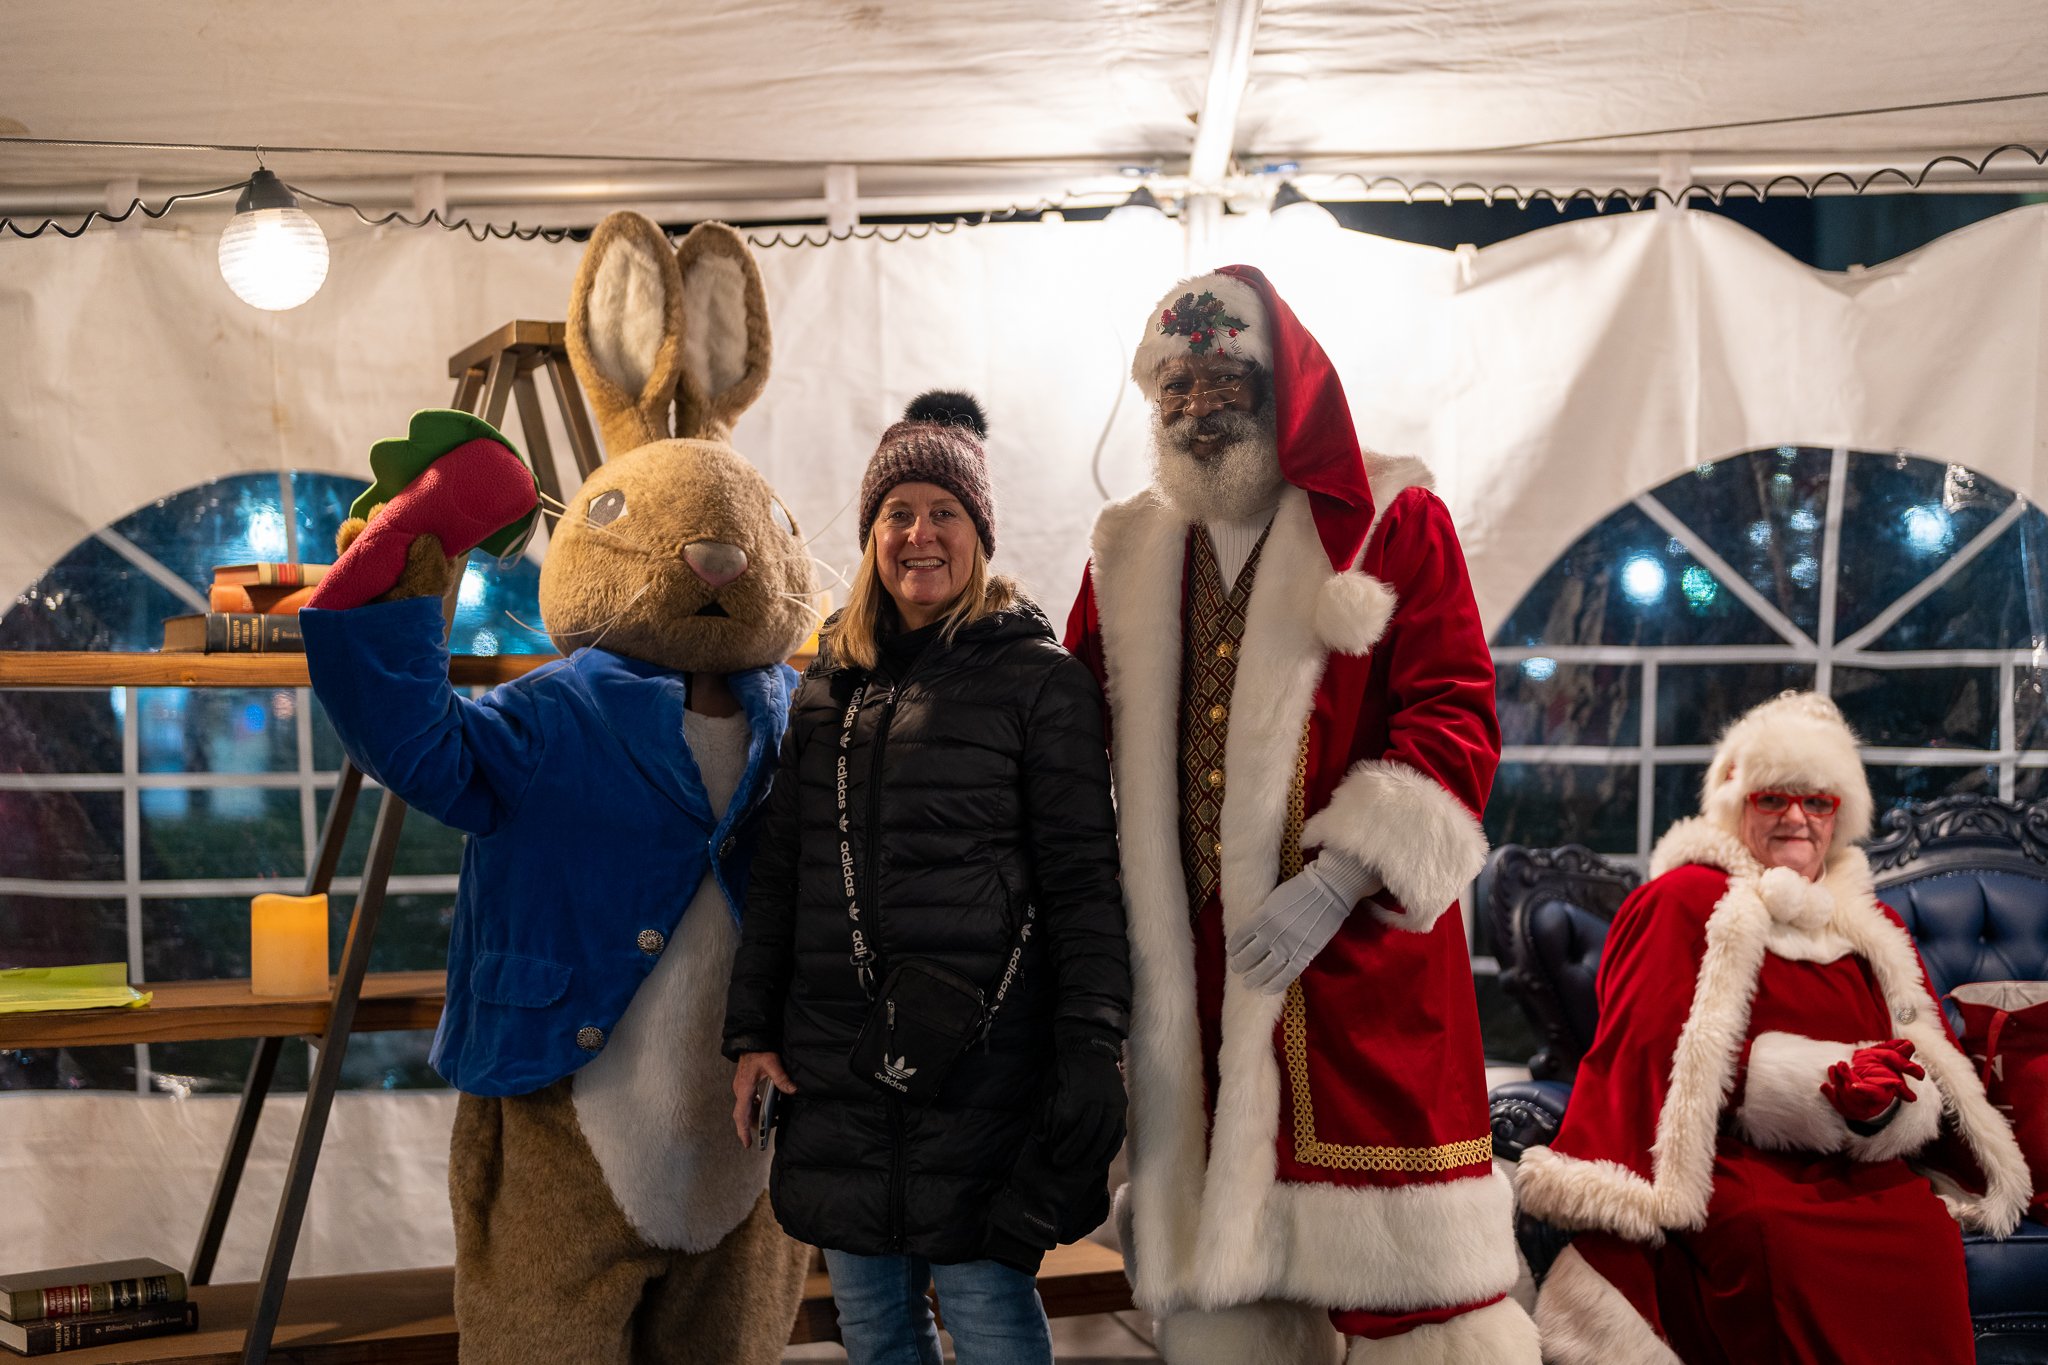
x,y
1587,1321
1782,1107
1418,836
1498,1334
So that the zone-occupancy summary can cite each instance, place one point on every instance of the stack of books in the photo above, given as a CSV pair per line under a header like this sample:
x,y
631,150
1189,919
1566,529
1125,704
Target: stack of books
x,y
251,609
77,1306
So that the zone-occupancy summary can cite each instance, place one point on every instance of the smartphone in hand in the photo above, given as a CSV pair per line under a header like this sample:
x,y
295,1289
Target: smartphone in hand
x,y
767,1110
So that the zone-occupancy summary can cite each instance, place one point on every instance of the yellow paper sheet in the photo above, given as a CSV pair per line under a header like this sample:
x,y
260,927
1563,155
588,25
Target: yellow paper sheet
x,y
99,985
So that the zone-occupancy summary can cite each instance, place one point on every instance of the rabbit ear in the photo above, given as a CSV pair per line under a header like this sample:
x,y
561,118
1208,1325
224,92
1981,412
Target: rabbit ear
x,y
626,330
725,332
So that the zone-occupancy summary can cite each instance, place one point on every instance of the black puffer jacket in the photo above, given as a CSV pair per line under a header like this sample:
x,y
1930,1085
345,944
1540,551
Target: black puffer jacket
x,y
993,792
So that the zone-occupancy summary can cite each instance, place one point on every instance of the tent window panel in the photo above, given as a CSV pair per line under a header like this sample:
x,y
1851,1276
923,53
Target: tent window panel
x,y
2030,708
1894,785
320,504
1509,1037
61,836
235,520
1920,708
200,938
497,610
1677,788
1546,804
1996,600
71,1068
1541,701
58,931
1695,702
1902,517
228,730
92,598
1763,513
61,732
1629,582
426,847
412,933
191,832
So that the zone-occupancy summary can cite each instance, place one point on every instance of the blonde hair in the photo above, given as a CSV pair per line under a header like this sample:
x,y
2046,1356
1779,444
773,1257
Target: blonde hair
x,y
856,637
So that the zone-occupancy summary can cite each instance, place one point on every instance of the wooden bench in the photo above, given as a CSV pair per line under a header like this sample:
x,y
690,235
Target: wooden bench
x,y
407,1317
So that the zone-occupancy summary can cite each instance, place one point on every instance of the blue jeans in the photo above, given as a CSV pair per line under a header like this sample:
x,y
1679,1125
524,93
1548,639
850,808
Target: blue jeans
x,y
992,1311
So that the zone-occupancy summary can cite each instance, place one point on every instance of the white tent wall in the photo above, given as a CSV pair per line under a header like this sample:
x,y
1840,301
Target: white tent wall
x,y
1546,380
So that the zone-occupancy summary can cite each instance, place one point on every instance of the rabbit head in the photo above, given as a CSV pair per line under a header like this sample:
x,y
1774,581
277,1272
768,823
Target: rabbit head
x,y
675,551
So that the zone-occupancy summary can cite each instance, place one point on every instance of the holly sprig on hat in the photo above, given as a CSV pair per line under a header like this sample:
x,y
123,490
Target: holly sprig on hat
x,y
1198,317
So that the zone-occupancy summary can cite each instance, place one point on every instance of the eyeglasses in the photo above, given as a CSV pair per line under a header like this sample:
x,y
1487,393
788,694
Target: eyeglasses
x,y
1226,390
1817,805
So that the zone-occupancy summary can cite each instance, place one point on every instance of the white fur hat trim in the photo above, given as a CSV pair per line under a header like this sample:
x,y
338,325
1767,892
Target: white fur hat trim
x,y
1797,742
1240,301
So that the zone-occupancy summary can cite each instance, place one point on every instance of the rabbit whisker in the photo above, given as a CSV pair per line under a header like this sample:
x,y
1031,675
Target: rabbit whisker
x,y
838,577
598,630
832,522
807,604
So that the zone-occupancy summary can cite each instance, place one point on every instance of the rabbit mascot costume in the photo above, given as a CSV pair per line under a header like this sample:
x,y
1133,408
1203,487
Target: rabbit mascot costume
x,y
603,1210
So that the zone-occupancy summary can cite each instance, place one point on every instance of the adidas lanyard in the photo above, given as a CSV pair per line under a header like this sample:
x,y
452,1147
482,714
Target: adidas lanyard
x,y
864,956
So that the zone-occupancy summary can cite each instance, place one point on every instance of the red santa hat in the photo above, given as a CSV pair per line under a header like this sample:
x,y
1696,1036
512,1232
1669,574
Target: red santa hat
x,y
1795,742
1234,311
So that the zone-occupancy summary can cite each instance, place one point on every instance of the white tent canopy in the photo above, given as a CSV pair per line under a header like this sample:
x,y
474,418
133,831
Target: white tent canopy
x,y
715,108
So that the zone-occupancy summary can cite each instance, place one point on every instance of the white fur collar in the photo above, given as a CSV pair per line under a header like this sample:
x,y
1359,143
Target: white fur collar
x,y
1805,915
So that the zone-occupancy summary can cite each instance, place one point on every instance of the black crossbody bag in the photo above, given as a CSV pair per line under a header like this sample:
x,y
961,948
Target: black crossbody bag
x,y
924,1016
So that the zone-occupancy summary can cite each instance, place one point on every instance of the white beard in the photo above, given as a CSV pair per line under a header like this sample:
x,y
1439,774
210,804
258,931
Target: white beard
x,y
1234,481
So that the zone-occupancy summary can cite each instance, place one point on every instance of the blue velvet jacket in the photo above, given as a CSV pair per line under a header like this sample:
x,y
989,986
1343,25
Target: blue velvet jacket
x,y
588,825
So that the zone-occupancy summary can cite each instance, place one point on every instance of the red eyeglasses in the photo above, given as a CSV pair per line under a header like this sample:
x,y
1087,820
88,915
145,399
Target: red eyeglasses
x,y
1817,805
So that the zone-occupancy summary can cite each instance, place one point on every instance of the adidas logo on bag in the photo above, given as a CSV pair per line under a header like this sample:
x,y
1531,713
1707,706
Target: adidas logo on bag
x,y
896,1072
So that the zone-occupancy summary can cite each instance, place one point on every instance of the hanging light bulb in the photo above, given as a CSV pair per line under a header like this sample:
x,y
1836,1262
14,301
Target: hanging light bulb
x,y
273,255
1143,206
1290,206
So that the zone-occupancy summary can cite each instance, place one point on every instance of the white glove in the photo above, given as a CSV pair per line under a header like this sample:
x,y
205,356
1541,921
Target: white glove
x,y
1299,916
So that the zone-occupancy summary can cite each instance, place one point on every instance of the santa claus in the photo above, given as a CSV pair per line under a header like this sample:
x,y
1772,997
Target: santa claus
x,y
1302,737
1768,1058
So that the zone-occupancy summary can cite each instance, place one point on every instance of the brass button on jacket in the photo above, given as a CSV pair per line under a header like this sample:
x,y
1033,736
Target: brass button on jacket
x,y
651,941
590,1037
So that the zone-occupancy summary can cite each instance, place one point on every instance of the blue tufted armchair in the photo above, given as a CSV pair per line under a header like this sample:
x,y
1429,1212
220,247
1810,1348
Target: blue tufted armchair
x,y
1968,874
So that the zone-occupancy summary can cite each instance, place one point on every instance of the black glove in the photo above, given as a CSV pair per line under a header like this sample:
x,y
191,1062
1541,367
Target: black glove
x,y
1083,1122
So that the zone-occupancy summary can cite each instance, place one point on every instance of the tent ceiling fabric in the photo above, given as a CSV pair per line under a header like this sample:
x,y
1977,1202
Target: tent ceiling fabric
x,y
1080,84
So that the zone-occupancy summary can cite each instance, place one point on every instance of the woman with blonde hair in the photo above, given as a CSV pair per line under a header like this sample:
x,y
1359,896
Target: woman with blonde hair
x,y
1769,1056
932,981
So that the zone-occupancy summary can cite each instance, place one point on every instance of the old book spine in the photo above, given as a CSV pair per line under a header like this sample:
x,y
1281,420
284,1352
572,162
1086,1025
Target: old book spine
x,y
239,632
107,1296
51,1335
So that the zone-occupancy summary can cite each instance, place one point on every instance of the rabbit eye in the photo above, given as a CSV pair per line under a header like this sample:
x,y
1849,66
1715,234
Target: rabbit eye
x,y
782,517
607,508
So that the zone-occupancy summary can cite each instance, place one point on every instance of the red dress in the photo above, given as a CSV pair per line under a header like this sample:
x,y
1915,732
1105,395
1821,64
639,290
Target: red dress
x,y
1719,1195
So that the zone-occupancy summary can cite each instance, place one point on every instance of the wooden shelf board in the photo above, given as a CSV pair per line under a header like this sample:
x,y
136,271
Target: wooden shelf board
x,y
186,1010
407,1317
87,668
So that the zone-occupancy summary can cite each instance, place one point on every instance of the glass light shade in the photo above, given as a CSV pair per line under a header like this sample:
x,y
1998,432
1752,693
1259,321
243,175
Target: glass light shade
x,y
273,258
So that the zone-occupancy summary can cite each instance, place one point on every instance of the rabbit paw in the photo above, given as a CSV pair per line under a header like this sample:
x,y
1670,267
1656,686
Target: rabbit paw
x,y
428,572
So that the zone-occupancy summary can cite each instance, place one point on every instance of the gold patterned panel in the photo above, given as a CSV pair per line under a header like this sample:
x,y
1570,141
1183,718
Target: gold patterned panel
x,y
1310,1150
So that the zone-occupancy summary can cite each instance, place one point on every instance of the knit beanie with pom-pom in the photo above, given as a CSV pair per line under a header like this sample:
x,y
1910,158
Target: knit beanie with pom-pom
x,y
938,441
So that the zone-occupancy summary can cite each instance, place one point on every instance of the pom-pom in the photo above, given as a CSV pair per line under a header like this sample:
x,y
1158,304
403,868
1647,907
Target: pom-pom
x,y
948,408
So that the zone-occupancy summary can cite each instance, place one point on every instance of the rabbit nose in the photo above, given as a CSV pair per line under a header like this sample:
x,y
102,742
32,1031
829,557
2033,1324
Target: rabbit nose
x,y
714,561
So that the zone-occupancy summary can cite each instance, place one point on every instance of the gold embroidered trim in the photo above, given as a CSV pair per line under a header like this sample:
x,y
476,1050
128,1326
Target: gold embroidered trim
x,y
1308,1149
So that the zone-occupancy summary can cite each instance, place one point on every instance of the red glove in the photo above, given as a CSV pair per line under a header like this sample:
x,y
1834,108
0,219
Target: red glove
x,y
463,498
1868,1084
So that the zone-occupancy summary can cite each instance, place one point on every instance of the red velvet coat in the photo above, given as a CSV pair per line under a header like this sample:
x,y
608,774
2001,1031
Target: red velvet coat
x,y
1726,991
1349,1163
